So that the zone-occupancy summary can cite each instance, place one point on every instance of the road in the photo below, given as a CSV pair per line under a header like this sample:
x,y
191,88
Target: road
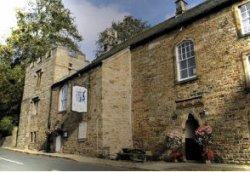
x,y
15,161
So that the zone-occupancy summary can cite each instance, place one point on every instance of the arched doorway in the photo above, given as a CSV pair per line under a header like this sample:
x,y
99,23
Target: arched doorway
x,y
192,149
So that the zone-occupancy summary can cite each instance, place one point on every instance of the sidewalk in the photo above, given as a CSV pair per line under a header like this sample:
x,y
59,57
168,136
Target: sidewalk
x,y
151,166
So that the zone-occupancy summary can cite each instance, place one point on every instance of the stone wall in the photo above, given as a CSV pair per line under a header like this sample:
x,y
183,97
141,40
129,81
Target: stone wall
x,y
69,120
53,68
63,62
10,141
116,102
28,121
161,105
109,109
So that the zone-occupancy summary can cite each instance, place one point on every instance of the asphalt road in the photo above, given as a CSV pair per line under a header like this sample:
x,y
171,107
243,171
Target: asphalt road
x,y
15,161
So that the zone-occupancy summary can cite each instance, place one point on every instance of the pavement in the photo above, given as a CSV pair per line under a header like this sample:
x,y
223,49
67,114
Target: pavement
x,y
26,160
18,161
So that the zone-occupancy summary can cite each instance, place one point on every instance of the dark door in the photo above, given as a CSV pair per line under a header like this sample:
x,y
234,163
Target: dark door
x,y
192,149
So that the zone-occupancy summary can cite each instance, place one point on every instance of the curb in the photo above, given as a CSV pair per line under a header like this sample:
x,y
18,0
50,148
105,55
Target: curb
x,y
150,166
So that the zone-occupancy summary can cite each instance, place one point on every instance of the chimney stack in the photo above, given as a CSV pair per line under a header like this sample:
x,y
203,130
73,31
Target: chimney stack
x,y
181,6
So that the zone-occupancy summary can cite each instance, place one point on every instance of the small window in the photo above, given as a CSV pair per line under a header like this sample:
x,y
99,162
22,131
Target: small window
x,y
186,66
246,62
36,106
39,77
82,131
63,97
245,18
33,137
70,67
248,65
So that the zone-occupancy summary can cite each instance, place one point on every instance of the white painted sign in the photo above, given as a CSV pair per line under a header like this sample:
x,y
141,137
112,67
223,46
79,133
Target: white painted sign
x,y
82,131
79,99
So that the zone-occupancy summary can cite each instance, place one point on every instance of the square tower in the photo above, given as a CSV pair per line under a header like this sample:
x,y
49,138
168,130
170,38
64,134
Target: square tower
x,y
35,109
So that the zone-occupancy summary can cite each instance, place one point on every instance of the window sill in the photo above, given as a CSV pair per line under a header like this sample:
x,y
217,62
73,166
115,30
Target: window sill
x,y
241,35
82,140
186,81
62,112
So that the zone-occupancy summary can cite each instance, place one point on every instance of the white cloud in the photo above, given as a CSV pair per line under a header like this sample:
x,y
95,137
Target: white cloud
x,y
7,16
92,20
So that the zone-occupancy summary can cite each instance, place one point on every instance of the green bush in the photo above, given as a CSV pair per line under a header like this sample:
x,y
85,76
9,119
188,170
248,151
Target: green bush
x,y
6,126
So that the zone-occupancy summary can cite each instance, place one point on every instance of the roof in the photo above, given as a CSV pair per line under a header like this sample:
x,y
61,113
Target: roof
x,y
199,11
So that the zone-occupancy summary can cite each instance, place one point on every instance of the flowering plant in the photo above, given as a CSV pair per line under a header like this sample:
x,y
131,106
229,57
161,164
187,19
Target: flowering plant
x,y
173,143
204,135
208,154
173,140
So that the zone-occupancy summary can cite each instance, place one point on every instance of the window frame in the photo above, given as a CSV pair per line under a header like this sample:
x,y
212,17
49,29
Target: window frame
x,y
85,126
63,107
39,74
36,107
178,67
241,19
246,64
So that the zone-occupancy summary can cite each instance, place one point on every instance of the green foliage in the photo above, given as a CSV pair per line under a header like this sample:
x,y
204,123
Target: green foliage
x,y
11,89
125,29
46,25
6,126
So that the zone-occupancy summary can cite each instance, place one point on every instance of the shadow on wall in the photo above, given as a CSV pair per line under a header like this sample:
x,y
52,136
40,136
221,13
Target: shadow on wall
x,y
69,124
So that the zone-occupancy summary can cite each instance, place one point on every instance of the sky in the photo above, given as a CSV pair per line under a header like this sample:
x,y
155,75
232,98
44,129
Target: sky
x,y
93,16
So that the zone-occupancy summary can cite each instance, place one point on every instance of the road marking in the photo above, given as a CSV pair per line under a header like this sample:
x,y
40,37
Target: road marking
x,y
16,162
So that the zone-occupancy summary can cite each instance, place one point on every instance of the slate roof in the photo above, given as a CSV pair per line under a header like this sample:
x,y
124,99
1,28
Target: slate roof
x,y
193,14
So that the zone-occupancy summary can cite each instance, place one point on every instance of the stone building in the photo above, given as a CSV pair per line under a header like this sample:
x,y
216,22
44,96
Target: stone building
x,y
192,69
40,75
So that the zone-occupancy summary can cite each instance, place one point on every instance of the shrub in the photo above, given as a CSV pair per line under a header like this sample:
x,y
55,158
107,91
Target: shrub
x,y
6,126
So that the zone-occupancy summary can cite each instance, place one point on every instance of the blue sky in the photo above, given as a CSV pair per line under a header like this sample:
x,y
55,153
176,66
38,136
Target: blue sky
x,y
154,11
93,16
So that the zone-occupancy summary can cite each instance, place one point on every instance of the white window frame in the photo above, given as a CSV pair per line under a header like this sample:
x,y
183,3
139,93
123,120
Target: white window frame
x,y
247,18
179,65
246,63
63,98
82,130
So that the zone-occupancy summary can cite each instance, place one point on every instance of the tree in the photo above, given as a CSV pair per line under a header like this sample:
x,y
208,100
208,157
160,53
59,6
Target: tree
x,y
6,126
11,85
46,25
119,32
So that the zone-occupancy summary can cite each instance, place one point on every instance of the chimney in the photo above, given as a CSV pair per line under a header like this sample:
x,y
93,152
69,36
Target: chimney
x,y
181,6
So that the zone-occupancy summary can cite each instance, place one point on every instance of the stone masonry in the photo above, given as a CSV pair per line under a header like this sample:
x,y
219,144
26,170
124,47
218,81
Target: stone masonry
x,y
52,69
219,88
109,109
134,97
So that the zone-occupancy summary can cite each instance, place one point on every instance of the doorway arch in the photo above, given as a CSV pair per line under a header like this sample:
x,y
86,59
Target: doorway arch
x,y
192,149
